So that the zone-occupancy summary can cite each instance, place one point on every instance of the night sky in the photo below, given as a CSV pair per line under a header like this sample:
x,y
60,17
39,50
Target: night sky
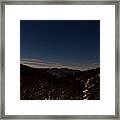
x,y
69,42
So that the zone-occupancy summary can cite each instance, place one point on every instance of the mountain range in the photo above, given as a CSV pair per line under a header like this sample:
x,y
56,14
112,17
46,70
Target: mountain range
x,y
59,84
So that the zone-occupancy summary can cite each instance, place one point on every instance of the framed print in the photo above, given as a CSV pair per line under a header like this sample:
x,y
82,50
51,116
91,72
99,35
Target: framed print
x,y
60,59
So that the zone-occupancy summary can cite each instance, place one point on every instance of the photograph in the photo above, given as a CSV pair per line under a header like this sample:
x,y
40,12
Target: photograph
x,y
59,59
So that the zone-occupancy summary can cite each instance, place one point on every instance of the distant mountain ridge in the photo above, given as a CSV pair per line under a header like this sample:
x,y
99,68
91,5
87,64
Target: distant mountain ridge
x,y
59,84
62,72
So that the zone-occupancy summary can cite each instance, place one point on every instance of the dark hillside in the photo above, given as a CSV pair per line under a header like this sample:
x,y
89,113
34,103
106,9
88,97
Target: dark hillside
x,y
58,84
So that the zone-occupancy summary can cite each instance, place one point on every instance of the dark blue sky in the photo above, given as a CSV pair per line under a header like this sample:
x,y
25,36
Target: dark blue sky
x,y
68,42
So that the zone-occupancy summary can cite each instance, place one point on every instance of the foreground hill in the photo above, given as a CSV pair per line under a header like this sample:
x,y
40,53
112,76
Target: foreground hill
x,y
59,84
